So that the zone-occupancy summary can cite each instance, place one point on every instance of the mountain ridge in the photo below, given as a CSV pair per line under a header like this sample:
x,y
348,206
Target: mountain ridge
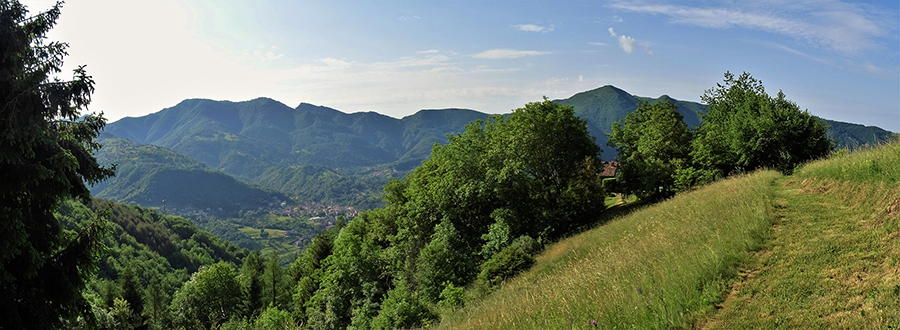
x,y
313,151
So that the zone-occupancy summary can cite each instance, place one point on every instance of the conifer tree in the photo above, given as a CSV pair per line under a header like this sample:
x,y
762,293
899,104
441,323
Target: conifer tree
x,y
46,156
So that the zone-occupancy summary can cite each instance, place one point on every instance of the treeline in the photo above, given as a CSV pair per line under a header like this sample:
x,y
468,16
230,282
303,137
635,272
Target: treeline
x,y
742,130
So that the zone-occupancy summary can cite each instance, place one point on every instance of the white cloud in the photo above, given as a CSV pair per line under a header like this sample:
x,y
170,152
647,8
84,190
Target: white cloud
x,y
533,28
842,27
580,78
597,43
627,43
508,53
430,51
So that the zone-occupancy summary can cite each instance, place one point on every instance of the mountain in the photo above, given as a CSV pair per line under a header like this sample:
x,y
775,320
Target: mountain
x,y
313,152
321,154
147,174
851,136
605,105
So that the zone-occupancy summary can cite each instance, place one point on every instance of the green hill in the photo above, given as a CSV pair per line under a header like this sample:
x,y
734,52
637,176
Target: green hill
x,y
818,249
147,174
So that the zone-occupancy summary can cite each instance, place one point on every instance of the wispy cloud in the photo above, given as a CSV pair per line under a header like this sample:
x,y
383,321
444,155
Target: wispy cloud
x,y
508,53
533,28
790,50
430,51
843,27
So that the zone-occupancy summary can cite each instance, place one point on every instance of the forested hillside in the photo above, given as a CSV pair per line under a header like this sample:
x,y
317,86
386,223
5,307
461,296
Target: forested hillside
x,y
154,176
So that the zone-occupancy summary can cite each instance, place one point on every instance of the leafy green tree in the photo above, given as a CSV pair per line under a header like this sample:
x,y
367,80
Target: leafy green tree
x,y
211,297
745,129
353,283
46,156
156,305
653,142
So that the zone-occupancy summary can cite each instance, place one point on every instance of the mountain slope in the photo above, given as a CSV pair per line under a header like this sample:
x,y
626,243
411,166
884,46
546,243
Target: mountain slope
x,y
146,175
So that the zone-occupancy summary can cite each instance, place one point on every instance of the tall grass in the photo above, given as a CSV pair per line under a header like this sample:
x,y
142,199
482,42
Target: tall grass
x,y
660,267
875,164
834,260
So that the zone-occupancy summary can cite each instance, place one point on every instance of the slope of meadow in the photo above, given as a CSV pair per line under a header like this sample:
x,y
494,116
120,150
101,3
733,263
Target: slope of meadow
x,y
819,249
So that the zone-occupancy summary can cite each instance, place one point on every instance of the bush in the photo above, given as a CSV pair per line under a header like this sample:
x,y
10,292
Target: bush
x,y
510,261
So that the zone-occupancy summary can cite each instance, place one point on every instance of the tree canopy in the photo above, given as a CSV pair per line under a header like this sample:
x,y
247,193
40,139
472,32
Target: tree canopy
x,y
46,156
745,129
653,142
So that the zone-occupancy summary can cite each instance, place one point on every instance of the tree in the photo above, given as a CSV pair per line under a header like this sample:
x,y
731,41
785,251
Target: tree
x,y
46,156
745,129
251,283
211,297
273,283
653,142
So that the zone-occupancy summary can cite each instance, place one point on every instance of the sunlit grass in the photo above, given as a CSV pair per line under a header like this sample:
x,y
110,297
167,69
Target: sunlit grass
x,y
834,260
659,267
876,164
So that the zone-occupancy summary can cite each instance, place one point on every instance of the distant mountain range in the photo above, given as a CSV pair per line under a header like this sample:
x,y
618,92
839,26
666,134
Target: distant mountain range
x,y
318,153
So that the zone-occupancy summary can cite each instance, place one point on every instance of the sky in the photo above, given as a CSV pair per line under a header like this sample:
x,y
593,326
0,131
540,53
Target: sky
x,y
840,60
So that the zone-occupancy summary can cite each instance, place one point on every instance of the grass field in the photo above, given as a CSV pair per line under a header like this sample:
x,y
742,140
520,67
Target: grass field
x,y
276,242
819,249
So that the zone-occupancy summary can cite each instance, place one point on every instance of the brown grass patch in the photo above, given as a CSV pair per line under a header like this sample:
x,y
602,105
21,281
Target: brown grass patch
x,y
894,209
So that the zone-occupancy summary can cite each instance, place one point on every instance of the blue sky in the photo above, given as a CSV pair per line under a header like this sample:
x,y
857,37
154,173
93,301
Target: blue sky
x,y
840,60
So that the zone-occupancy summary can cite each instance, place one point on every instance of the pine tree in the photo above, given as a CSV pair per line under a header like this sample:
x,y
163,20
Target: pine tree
x,y
46,156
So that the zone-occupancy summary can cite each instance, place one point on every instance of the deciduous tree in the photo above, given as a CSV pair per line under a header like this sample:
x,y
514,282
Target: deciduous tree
x,y
652,143
745,129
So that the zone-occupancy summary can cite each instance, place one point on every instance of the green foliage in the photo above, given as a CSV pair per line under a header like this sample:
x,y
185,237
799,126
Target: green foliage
x,y
352,284
452,296
251,283
46,156
402,309
510,261
441,262
275,319
210,298
653,143
745,129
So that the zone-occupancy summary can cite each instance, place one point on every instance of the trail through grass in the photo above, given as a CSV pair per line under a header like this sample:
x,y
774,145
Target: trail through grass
x,y
834,258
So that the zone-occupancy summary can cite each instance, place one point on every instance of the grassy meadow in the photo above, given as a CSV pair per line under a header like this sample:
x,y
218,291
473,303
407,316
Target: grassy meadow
x,y
819,249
